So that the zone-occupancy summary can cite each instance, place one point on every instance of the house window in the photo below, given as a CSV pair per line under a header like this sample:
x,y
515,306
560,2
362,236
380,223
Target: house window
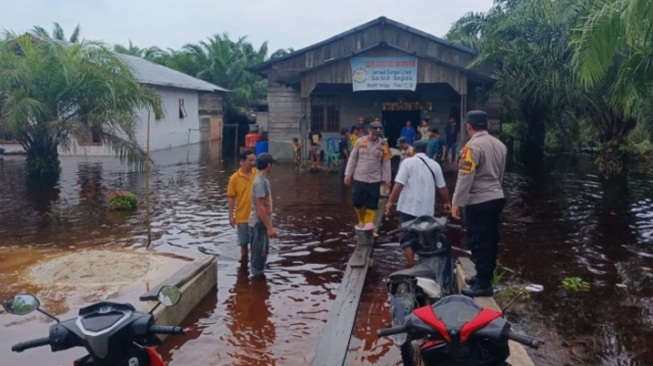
x,y
94,136
325,117
182,109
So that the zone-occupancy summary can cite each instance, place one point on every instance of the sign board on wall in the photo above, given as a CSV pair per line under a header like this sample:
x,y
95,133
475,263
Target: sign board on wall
x,y
384,73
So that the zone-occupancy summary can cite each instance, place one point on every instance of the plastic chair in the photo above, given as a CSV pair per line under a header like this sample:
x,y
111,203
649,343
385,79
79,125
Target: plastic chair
x,y
332,155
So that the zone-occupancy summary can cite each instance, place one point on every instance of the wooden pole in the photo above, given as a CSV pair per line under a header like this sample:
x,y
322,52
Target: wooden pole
x,y
147,185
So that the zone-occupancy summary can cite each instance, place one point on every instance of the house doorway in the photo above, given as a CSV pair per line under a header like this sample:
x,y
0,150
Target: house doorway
x,y
394,121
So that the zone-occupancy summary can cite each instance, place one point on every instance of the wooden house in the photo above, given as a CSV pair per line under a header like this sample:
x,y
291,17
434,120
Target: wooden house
x,y
380,69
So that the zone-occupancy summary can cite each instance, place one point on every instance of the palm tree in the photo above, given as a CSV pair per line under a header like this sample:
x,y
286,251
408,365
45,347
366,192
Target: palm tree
x,y
57,33
616,30
223,61
53,94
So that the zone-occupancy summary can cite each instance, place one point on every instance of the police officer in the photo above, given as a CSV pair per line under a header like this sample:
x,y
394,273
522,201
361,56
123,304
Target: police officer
x,y
478,189
369,165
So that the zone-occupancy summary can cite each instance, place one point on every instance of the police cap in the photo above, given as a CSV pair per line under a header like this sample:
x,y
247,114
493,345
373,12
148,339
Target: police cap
x,y
477,119
376,128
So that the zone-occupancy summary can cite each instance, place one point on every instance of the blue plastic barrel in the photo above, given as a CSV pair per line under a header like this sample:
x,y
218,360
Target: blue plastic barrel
x,y
261,147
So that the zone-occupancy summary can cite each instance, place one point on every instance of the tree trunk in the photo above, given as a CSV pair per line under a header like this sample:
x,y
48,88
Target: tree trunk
x,y
613,157
612,160
532,142
43,160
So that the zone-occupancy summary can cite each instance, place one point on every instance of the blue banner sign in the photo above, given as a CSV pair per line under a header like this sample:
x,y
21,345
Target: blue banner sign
x,y
384,73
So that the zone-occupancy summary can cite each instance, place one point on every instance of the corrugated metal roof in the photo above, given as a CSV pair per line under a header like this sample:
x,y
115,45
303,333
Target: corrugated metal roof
x,y
154,74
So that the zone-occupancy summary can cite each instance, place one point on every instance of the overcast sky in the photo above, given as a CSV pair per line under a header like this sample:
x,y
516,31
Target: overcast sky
x,y
283,23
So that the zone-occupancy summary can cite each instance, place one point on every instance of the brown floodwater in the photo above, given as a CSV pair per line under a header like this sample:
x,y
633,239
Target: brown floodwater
x,y
559,222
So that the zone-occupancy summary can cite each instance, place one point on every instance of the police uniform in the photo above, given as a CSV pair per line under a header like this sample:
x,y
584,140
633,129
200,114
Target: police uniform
x,y
368,165
478,189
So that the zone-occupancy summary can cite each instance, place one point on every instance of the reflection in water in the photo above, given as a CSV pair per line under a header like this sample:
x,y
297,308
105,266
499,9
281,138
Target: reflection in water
x,y
560,221
252,332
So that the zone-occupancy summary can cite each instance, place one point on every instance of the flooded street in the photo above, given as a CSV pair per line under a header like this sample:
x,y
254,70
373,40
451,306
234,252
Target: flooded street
x,y
558,223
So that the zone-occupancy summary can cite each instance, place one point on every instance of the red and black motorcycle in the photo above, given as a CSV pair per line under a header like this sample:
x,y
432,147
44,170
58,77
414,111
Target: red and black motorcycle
x,y
114,334
457,331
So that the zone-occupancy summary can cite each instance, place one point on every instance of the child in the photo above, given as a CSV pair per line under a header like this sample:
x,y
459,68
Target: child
x,y
353,137
424,129
297,149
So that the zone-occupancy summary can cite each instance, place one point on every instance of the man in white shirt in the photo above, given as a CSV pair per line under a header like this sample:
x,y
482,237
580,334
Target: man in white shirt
x,y
415,185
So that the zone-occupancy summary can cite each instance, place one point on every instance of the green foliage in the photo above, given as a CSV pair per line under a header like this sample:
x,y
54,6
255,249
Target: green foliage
x,y
569,71
53,94
222,61
575,284
122,201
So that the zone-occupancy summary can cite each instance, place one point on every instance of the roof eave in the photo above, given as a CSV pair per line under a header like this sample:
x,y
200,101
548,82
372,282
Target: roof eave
x,y
262,67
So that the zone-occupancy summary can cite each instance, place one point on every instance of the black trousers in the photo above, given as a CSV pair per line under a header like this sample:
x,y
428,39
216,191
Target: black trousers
x,y
482,223
366,195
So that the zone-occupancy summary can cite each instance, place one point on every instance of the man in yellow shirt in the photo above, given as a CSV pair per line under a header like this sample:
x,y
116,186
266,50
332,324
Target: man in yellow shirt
x,y
239,194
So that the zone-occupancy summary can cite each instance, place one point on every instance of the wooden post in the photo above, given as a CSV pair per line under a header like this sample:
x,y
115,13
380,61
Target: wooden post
x,y
148,223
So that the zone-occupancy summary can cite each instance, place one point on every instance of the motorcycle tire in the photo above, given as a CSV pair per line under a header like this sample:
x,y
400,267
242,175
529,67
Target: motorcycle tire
x,y
410,354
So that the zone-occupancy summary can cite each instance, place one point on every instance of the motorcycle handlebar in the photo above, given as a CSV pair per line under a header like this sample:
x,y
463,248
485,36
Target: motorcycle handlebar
x,y
524,339
20,347
166,329
455,227
384,332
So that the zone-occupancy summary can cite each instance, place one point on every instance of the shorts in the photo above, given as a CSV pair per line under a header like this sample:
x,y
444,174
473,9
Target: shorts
x,y
366,195
407,237
315,149
260,248
244,234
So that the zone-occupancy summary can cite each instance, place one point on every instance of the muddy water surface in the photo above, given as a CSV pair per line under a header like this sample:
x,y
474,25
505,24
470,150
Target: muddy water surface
x,y
560,222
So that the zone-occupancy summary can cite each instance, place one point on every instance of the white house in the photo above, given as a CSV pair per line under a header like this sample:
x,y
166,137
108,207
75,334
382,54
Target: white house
x,y
192,107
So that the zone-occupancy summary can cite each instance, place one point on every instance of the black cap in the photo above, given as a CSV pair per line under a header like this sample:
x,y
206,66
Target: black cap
x,y
263,159
344,130
401,140
476,119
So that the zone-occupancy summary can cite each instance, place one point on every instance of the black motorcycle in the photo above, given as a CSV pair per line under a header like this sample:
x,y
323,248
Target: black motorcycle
x,y
114,334
457,331
427,282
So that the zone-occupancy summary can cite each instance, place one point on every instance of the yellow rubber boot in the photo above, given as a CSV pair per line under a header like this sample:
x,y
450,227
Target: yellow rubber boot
x,y
370,215
370,218
360,212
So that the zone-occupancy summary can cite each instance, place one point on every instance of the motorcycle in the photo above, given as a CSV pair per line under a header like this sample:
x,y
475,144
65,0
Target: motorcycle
x,y
457,331
114,334
427,282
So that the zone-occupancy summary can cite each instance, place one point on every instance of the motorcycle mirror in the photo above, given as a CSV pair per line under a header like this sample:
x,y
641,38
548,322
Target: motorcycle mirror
x,y
169,295
21,304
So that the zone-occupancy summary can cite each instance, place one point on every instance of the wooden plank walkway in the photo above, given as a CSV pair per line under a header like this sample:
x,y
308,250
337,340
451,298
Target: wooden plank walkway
x,y
518,354
334,343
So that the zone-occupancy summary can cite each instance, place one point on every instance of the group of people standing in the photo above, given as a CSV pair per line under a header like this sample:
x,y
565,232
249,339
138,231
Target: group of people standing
x,y
478,190
249,195
437,148
478,187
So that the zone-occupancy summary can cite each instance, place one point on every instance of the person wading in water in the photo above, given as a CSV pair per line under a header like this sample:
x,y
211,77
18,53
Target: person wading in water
x,y
239,196
368,165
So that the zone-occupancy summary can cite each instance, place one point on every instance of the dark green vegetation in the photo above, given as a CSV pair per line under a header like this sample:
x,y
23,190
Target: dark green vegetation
x,y
571,73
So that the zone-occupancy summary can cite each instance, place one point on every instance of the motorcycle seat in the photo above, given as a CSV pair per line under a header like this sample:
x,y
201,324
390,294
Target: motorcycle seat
x,y
419,270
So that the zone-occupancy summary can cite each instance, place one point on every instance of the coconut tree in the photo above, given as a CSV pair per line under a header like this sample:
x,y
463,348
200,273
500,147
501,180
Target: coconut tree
x,y
54,94
57,33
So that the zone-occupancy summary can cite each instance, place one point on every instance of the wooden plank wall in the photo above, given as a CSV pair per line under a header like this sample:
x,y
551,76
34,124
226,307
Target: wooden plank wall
x,y
427,72
369,37
284,110
493,108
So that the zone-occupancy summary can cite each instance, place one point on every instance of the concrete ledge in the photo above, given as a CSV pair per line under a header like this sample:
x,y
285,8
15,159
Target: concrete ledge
x,y
194,285
518,354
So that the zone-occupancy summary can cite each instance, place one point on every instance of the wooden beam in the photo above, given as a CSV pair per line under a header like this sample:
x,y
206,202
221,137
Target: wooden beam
x,y
333,345
518,354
